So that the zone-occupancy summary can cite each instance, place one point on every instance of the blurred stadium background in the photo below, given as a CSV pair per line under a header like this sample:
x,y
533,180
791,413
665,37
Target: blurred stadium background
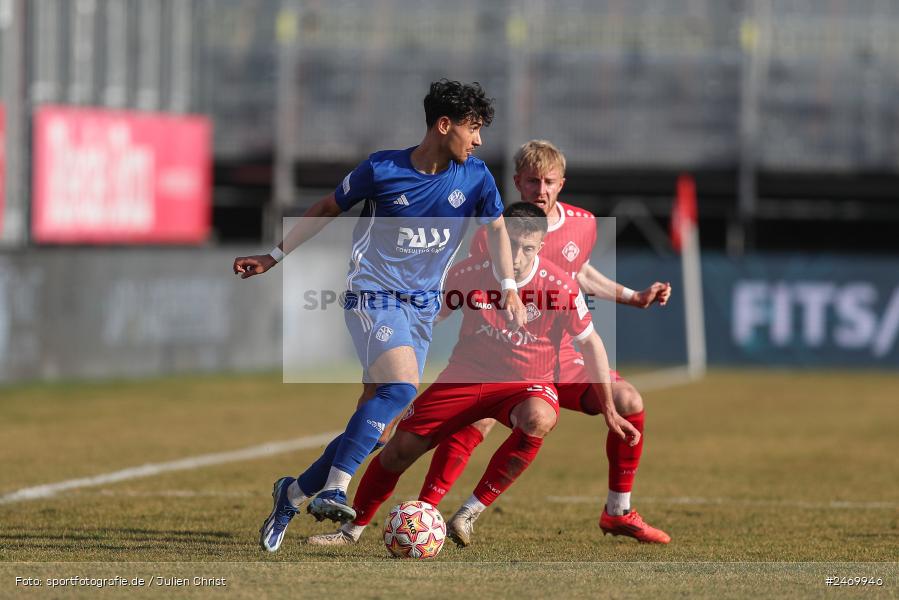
x,y
146,143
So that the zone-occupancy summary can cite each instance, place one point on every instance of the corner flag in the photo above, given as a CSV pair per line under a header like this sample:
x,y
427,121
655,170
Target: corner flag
x,y
684,212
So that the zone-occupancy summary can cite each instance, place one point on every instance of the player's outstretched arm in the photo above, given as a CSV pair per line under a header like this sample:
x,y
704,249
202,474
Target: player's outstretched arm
x,y
501,254
595,283
322,212
597,363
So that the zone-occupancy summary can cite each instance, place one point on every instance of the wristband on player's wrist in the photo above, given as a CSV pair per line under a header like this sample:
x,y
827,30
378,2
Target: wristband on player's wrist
x,y
627,294
277,254
508,284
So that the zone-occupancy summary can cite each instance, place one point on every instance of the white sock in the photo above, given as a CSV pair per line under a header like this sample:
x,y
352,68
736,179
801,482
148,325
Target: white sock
x,y
354,531
296,495
474,505
337,480
618,503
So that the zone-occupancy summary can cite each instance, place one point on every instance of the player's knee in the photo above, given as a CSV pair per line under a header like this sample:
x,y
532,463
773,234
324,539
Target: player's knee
x,y
628,400
397,395
393,461
403,450
538,422
484,426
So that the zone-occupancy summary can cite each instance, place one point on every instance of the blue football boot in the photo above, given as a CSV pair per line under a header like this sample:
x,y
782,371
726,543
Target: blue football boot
x,y
331,504
273,528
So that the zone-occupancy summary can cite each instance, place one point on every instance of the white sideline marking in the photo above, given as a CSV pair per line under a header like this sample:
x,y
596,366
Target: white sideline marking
x,y
183,464
108,493
838,504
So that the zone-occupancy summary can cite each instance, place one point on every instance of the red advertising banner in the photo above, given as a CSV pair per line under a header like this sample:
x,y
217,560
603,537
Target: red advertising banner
x,y
125,177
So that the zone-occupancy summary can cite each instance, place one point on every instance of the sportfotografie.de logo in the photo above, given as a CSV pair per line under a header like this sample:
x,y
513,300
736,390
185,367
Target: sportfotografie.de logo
x,y
536,301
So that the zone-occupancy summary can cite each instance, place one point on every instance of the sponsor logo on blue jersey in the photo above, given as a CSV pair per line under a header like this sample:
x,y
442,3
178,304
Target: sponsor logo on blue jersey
x,y
417,241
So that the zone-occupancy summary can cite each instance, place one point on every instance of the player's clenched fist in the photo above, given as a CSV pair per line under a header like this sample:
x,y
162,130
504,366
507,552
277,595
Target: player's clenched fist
x,y
657,292
247,266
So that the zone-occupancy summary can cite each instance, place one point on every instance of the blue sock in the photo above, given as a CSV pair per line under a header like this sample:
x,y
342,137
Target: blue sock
x,y
313,479
368,423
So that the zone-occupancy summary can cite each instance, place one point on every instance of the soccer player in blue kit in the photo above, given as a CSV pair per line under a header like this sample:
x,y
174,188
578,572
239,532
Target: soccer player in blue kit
x,y
395,276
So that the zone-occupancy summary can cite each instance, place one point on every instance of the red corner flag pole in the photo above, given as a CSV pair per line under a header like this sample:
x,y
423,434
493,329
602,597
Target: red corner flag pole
x,y
685,240
683,213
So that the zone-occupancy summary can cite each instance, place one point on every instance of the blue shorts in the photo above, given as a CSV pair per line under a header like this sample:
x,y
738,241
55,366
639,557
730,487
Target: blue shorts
x,y
378,329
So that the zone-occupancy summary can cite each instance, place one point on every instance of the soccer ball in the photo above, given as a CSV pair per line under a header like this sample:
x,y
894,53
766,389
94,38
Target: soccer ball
x,y
414,530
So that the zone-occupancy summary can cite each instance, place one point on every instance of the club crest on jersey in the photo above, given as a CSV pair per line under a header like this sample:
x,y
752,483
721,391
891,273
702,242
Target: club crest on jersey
x,y
570,251
456,198
384,333
533,312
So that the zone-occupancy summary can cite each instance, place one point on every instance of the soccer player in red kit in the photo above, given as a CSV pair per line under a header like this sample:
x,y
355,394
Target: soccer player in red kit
x,y
495,373
539,177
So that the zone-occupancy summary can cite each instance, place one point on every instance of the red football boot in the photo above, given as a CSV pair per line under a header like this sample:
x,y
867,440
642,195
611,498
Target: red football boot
x,y
631,525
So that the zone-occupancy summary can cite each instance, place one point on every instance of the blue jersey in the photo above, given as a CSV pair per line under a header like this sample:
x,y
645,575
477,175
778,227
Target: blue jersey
x,y
412,223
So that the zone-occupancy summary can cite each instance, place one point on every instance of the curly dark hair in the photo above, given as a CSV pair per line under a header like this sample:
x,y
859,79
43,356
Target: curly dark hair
x,y
458,101
523,218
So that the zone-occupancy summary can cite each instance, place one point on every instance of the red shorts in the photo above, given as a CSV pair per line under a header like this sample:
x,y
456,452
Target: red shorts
x,y
445,408
577,393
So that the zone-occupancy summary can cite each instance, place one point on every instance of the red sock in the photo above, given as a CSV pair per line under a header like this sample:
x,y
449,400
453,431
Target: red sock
x,y
624,459
508,462
376,486
447,464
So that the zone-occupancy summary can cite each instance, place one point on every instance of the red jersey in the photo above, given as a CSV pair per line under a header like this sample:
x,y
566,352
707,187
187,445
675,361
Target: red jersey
x,y
568,243
487,351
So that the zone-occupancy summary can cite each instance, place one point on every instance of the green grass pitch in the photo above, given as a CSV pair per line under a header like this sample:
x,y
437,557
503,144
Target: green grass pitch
x,y
766,481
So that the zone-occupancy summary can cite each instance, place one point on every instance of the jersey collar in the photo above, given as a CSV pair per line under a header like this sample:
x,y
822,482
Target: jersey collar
x,y
561,220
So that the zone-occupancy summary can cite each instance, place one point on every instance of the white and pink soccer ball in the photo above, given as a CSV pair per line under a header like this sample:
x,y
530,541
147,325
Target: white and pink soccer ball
x,y
414,529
